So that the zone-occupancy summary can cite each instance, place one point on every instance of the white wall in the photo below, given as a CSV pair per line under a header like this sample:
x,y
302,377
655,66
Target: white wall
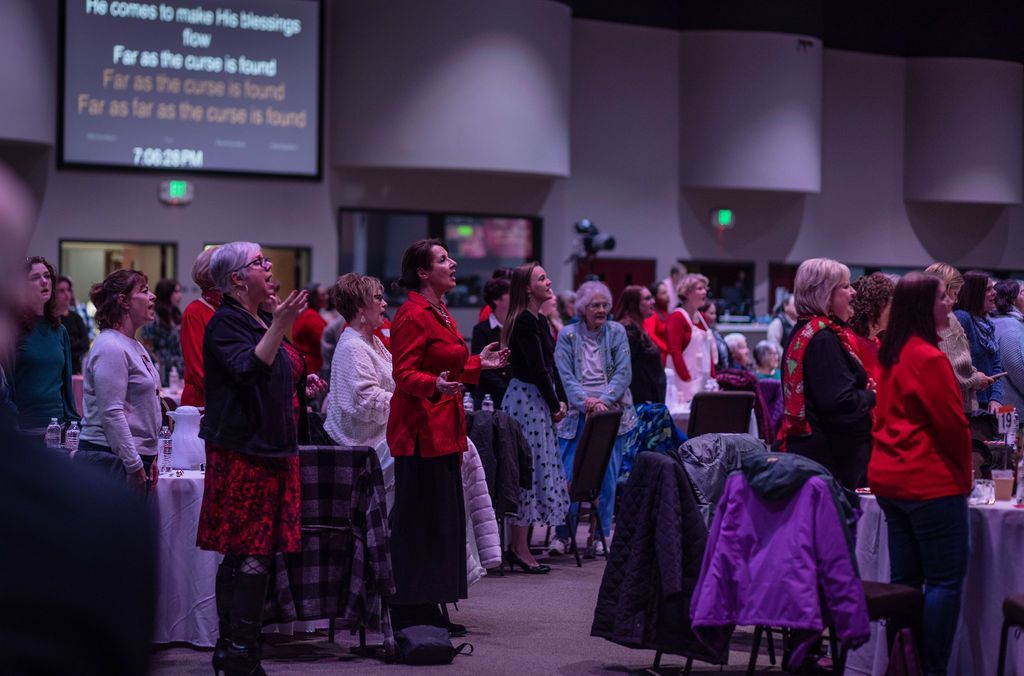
x,y
625,176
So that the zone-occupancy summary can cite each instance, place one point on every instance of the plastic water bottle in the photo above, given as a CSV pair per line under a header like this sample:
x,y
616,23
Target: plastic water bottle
x,y
71,438
164,446
53,434
487,404
174,380
467,402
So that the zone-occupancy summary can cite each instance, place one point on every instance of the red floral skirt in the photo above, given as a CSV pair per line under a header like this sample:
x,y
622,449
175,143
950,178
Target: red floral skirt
x,y
251,504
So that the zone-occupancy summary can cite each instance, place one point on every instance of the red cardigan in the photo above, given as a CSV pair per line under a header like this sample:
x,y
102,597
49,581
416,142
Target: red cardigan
x,y
867,350
422,346
679,334
193,326
657,328
306,332
922,444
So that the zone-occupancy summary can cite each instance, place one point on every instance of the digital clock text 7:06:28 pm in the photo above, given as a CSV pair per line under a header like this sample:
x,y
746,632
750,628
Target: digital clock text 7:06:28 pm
x,y
167,157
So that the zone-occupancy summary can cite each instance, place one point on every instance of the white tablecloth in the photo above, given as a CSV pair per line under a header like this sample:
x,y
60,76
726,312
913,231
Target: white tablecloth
x,y
681,417
186,575
994,571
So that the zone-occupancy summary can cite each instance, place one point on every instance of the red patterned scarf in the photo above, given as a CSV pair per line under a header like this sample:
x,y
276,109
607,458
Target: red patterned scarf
x,y
794,421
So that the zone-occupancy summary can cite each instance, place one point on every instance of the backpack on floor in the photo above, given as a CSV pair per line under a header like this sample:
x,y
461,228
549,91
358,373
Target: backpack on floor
x,y
424,644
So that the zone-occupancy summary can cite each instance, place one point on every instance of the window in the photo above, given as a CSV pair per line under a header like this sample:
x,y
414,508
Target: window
x,y
87,262
373,241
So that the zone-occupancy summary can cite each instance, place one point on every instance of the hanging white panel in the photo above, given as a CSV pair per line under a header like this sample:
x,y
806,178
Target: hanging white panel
x,y
28,78
964,122
451,84
750,111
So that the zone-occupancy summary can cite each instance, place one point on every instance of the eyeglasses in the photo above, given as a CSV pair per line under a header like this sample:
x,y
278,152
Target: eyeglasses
x,y
598,306
261,261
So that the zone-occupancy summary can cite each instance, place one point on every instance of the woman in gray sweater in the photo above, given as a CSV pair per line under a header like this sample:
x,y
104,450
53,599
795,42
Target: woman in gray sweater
x,y
121,397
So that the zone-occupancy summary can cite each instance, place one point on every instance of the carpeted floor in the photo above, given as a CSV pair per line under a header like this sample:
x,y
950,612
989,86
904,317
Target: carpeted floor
x,y
519,624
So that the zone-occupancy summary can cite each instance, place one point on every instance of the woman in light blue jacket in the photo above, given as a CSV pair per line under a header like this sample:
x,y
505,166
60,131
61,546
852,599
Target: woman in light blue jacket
x,y
593,361
1009,322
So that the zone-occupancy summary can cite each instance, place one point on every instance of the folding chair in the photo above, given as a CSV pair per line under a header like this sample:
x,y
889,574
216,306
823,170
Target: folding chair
x,y
720,413
591,462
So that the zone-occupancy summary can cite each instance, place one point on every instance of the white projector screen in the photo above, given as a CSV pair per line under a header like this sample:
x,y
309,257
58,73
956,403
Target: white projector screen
x,y
218,86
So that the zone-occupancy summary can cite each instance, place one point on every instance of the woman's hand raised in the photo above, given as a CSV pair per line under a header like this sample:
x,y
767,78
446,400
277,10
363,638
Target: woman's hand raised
x,y
445,386
494,357
288,310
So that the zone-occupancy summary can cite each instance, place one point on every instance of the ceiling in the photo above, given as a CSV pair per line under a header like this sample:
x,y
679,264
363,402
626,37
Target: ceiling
x,y
990,29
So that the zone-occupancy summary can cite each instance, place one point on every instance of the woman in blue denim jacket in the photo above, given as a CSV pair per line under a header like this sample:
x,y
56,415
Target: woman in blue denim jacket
x,y
977,300
593,360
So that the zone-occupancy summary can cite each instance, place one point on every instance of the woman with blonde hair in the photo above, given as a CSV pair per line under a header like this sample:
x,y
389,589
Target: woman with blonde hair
x,y
826,392
691,345
953,341
193,325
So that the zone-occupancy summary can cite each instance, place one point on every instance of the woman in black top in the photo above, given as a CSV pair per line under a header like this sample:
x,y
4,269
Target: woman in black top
x,y
255,419
648,385
828,396
536,400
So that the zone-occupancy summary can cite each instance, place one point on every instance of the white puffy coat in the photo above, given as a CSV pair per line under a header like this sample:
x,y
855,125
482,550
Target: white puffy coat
x,y
483,546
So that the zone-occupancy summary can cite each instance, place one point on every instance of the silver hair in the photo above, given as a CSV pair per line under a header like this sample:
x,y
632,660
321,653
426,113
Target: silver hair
x,y
585,294
762,350
231,257
733,340
816,279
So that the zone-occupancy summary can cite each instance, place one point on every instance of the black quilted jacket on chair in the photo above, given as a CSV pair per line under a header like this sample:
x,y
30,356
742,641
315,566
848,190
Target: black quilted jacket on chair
x,y
654,563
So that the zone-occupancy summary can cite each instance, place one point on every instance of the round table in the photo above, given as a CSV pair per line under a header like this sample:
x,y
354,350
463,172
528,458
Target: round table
x,y
994,572
186,609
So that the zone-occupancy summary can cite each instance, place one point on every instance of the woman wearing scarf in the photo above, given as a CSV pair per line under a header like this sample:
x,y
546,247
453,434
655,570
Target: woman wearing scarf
x,y
828,396
193,325
977,299
1009,323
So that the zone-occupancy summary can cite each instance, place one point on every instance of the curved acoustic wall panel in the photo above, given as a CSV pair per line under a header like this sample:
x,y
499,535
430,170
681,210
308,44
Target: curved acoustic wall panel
x,y
28,77
750,111
964,122
452,84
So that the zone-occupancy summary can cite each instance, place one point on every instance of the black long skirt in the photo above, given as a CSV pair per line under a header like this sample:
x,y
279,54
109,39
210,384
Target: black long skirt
x,y
428,531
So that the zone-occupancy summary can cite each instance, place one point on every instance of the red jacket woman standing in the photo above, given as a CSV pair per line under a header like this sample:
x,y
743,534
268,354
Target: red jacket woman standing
x,y
920,466
427,434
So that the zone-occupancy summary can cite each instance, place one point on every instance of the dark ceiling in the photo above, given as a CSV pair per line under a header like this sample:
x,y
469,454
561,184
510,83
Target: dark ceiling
x,y
990,29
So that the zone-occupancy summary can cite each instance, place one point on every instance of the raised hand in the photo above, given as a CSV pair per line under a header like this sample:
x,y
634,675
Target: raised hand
x,y
289,309
444,386
494,357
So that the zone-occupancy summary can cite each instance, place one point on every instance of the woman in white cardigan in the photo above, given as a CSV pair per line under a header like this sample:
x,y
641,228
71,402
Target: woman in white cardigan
x,y
359,400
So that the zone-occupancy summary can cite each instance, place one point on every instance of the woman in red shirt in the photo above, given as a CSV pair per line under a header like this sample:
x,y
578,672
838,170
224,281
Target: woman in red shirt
x,y
426,434
920,467
309,327
870,317
657,324
193,325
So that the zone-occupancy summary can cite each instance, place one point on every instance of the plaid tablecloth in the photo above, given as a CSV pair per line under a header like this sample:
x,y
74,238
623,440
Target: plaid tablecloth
x,y
344,568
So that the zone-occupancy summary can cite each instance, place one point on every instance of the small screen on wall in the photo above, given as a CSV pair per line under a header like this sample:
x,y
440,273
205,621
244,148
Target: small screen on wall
x,y
498,238
224,86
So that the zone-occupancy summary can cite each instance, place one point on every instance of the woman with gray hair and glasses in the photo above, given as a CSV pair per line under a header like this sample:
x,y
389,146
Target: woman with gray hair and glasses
x,y
255,419
594,363
827,394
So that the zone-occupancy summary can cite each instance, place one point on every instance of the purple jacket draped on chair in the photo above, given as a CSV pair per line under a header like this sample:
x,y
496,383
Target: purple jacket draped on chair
x,y
781,563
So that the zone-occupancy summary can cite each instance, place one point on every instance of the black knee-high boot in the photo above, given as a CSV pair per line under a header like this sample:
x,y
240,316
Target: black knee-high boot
x,y
243,658
225,585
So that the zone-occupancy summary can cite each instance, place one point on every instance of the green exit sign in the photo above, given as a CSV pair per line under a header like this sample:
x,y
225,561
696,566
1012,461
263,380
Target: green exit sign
x,y
177,189
723,219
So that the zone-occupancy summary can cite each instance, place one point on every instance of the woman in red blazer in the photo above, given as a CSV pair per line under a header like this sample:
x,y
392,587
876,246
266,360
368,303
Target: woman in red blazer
x,y
920,466
426,435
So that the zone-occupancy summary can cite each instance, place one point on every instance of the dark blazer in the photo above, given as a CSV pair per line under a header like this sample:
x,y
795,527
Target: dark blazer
x,y
505,455
249,405
654,564
494,381
838,407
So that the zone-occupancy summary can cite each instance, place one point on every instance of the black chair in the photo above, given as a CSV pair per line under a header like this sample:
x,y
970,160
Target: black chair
x,y
1013,616
592,455
720,413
